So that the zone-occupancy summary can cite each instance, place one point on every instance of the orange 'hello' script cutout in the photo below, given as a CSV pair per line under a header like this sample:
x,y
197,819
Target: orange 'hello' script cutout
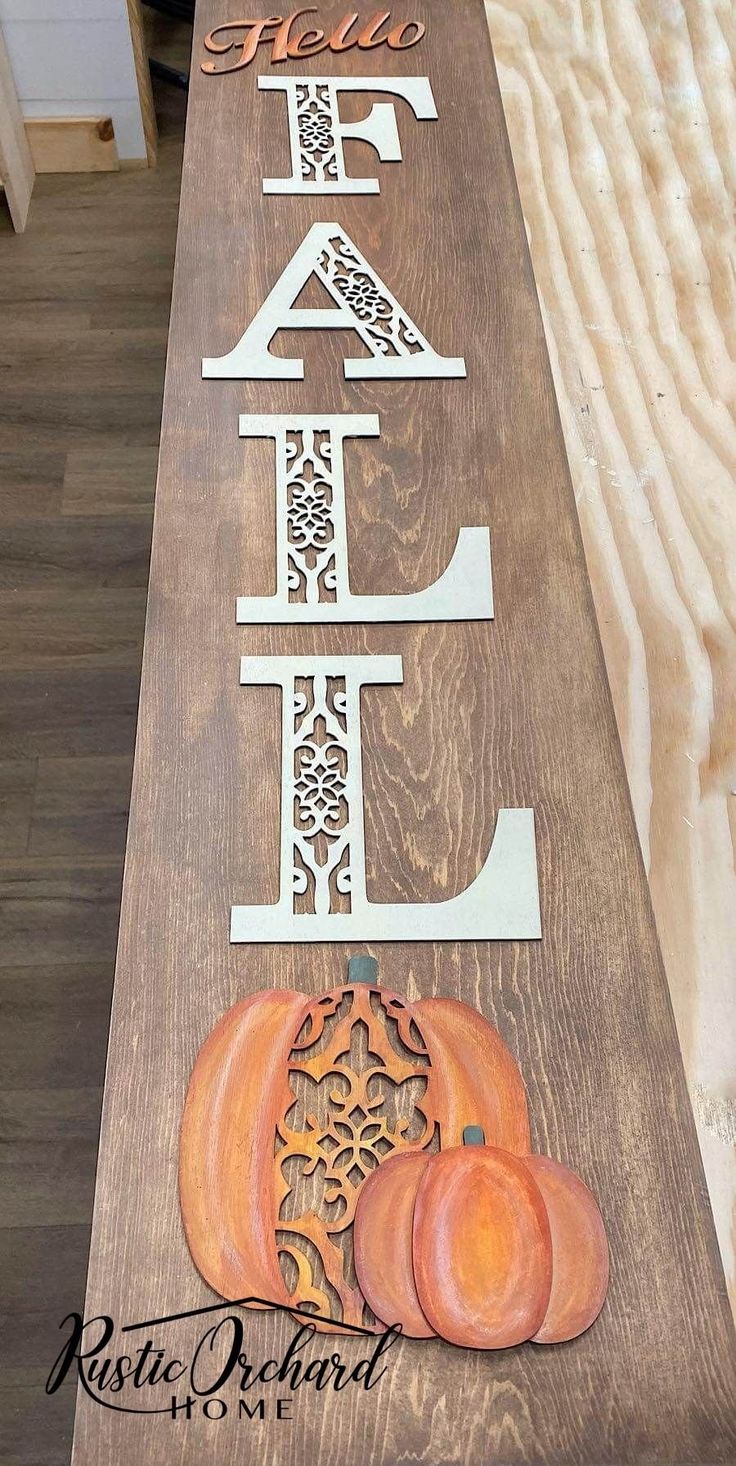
x,y
277,31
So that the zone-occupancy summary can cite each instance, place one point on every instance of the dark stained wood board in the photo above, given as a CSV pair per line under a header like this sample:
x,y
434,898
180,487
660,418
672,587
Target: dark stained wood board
x,y
513,712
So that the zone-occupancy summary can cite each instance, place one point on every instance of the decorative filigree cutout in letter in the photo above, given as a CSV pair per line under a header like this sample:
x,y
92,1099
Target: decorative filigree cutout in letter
x,y
323,896
312,583
362,304
316,133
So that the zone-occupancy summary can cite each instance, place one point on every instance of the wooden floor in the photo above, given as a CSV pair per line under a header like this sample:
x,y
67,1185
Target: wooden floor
x,y
84,305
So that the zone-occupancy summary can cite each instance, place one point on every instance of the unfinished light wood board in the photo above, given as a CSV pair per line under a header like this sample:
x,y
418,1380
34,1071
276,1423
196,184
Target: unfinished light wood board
x,y
512,712
621,118
72,144
143,78
16,164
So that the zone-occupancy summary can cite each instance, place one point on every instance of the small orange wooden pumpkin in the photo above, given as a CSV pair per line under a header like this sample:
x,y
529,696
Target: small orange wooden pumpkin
x,y
487,1249
480,1246
282,1123
385,1208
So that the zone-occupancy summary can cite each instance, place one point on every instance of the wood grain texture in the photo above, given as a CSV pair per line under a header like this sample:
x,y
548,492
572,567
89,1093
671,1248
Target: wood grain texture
x,y
72,144
143,78
621,119
515,712
16,164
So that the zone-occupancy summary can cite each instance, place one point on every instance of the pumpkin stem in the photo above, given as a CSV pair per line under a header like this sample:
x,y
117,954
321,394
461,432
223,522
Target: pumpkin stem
x,y
474,1135
363,969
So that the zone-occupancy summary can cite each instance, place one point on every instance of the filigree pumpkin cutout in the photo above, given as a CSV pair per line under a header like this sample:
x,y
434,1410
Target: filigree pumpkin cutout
x,y
359,1050
293,1101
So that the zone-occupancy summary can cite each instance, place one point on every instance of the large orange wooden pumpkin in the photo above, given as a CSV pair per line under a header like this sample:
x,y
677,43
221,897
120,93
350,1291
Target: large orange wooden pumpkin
x,y
488,1249
294,1100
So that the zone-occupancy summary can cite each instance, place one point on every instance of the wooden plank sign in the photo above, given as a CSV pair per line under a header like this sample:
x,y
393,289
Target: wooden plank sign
x,y
374,712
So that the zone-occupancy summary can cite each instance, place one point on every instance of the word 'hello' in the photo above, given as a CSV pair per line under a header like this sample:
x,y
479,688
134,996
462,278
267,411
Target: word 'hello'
x,y
285,46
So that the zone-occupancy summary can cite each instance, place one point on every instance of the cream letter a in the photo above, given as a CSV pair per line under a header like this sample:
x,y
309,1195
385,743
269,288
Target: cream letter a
x,y
362,304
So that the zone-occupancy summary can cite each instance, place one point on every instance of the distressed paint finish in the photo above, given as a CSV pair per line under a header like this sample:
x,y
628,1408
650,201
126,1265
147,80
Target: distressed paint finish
x,y
481,1248
386,1273
579,1251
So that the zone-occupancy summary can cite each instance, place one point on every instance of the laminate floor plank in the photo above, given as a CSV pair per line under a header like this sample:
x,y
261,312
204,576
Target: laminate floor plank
x,y
31,483
51,908
100,627
48,1142
99,482
68,714
54,1023
80,806
17,784
36,1430
40,1266
84,308
72,553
